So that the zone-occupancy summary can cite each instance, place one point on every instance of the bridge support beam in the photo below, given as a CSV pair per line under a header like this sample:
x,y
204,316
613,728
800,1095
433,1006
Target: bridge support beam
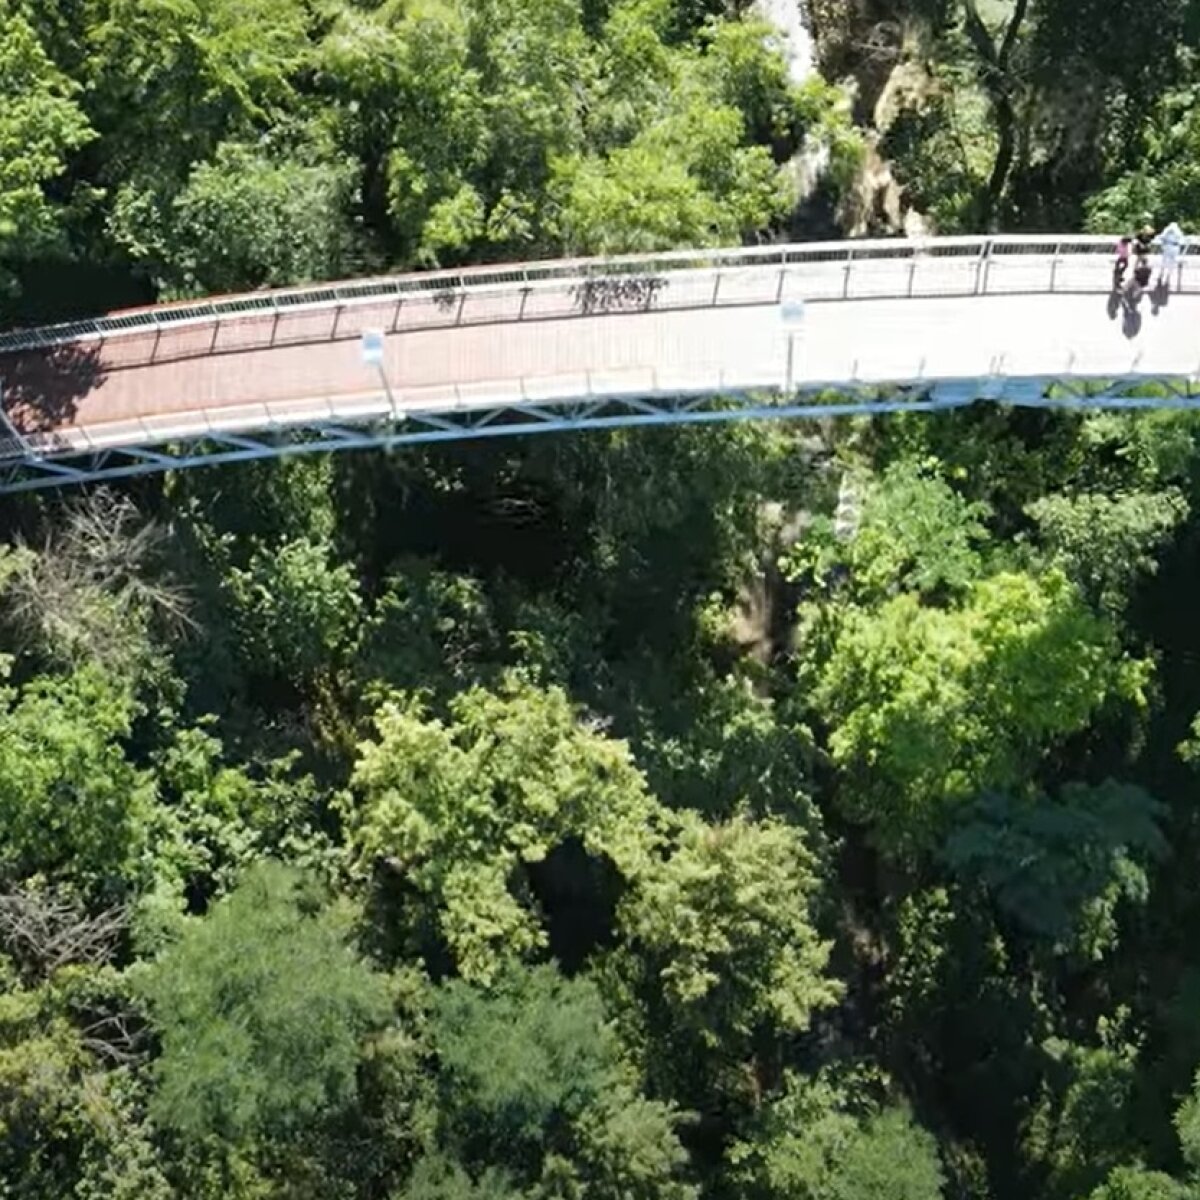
x,y
21,470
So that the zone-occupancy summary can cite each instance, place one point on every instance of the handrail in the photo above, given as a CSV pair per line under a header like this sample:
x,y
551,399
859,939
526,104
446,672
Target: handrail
x,y
556,272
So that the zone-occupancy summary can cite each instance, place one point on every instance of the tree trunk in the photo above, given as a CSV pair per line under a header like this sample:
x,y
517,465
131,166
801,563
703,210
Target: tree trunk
x,y
997,78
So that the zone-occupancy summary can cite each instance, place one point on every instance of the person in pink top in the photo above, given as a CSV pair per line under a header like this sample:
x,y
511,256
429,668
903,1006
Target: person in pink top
x,y
1124,246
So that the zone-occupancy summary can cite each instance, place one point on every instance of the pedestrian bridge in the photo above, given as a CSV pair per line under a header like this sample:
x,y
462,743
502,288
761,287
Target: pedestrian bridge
x,y
817,329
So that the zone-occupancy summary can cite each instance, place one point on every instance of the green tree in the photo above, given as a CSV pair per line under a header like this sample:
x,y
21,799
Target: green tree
x,y
1106,543
73,807
171,79
41,125
407,104
296,609
915,533
1187,1126
72,1106
1081,1125
428,629
437,1177
1060,869
820,1141
533,1083
260,1007
1137,1183
217,819
1164,179
927,707
725,929
245,218
463,808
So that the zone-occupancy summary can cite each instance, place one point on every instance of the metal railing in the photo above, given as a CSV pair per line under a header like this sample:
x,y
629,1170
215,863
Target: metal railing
x,y
686,278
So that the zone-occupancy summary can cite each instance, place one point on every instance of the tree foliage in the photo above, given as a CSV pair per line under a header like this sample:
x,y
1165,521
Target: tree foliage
x,y
708,846
461,807
536,1087
929,706
820,1141
73,807
727,929
260,1007
1060,869
41,125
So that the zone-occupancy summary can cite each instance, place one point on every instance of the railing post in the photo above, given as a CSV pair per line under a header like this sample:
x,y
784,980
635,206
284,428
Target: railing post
x,y
981,267
716,287
847,266
1054,265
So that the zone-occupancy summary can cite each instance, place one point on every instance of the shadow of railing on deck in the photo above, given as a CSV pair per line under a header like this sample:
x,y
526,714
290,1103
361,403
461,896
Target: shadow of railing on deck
x,y
42,388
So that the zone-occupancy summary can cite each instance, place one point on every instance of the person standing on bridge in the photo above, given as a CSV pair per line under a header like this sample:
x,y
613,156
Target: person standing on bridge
x,y
1143,243
1121,264
1170,242
1143,240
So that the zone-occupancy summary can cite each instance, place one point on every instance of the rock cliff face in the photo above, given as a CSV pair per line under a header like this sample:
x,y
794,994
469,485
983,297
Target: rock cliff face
x,y
880,47
877,49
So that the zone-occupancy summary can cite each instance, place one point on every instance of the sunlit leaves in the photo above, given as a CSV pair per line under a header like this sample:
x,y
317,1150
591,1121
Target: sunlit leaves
x,y
72,804
461,807
726,926
41,125
245,218
296,609
820,1140
928,706
1105,542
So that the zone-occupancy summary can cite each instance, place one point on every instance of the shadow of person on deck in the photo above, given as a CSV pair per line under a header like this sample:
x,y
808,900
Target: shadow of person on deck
x,y
1131,324
42,388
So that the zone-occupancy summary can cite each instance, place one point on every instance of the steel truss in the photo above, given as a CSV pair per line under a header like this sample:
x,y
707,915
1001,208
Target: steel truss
x,y
21,471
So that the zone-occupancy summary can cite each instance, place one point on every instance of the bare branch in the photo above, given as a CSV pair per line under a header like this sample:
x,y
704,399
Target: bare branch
x,y
92,591
43,931
116,1037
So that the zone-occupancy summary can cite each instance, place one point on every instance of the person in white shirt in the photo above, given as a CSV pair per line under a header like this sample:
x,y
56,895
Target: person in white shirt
x,y
1170,243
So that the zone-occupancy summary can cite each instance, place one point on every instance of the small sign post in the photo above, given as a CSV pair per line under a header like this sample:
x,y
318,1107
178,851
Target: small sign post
x,y
372,354
792,314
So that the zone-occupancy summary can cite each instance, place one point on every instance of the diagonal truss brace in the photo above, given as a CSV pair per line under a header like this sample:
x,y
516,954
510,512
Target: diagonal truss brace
x,y
25,472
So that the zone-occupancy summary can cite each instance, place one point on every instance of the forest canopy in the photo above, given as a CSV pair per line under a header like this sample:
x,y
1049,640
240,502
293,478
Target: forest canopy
x,y
590,817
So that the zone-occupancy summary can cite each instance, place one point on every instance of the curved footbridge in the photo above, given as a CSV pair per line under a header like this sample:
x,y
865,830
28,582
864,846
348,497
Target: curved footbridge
x,y
817,329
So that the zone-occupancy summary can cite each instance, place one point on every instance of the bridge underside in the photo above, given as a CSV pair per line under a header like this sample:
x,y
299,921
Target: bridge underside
x,y
20,471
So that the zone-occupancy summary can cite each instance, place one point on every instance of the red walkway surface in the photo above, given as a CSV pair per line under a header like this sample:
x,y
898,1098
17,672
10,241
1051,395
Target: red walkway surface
x,y
314,358
506,345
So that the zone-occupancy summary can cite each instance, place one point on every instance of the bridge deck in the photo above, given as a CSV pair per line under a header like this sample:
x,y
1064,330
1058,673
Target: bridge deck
x,y
164,380
886,321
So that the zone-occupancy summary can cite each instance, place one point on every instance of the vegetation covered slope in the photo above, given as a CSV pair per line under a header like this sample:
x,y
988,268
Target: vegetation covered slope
x,y
581,817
